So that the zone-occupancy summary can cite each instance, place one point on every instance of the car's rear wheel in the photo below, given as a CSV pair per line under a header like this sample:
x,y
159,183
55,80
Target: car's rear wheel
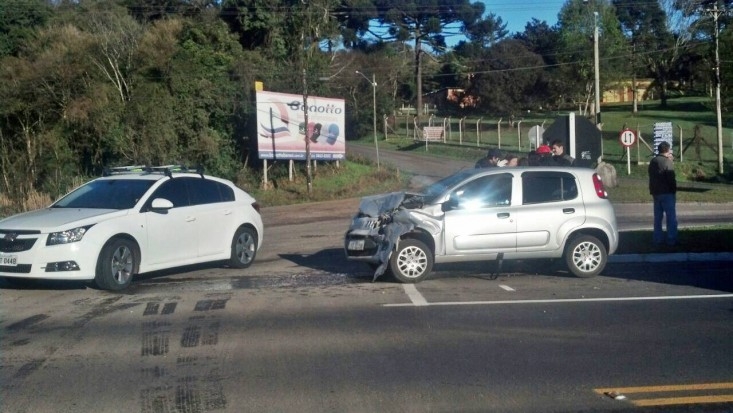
x,y
116,265
412,261
586,256
244,248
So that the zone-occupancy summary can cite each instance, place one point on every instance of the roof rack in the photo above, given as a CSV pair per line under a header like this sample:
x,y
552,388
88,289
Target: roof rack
x,y
167,170
116,170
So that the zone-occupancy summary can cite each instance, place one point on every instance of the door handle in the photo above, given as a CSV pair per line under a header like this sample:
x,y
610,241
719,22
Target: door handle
x,y
502,215
568,210
190,219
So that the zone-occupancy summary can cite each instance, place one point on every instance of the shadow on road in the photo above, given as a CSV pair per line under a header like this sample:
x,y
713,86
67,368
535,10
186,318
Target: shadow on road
x,y
328,260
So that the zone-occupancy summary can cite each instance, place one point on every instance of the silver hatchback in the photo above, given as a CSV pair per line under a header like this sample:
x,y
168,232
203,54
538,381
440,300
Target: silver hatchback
x,y
488,214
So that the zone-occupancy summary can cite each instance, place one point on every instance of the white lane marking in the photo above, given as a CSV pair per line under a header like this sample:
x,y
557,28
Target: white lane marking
x,y
415,296
563,300
506,287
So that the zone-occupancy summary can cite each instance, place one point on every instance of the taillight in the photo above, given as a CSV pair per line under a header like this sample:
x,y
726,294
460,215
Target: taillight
x,y
598,185
256,206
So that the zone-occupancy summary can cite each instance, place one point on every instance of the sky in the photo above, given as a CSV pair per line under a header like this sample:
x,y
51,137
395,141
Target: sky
x,y
516,13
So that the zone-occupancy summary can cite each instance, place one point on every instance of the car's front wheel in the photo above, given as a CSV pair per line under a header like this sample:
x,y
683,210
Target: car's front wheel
x,y
586,256
116,264
412,261
244,248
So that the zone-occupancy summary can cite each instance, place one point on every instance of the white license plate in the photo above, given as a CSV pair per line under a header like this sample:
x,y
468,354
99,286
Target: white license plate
x,y
356,244
9,260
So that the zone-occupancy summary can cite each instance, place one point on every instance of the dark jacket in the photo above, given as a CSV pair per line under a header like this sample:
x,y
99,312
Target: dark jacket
x,y
485,163
564,159
661,176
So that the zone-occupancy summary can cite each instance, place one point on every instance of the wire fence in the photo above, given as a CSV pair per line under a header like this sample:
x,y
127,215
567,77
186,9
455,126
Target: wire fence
x,y
690,141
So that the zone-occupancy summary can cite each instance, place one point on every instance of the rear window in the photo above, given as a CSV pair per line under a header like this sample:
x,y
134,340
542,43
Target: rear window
x,y
185,191
540,187
204,191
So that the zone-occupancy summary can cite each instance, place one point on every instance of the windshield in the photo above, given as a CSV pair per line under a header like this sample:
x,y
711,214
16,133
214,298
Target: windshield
x,y
434,190
106,194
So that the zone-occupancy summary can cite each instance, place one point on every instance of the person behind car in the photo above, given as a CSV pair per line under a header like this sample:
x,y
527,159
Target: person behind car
x,y
663,188
559,155
545,156
533,158
511,160
491,160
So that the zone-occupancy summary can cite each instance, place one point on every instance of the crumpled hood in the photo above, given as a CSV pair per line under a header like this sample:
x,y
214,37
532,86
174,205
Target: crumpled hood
x,y
51,219
376,205
386,218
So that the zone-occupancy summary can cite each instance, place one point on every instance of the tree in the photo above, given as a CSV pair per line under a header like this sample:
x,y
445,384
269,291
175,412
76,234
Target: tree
x,y
543,40
655,45
424,23
644,24
40,94
576,23
18,21
260,24
509,73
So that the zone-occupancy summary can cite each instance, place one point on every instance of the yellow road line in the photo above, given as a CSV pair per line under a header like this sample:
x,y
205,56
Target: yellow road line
x,y
667,401
657,389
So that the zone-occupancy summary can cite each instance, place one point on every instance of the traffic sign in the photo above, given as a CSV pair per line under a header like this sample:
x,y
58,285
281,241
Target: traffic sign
x,y
627,137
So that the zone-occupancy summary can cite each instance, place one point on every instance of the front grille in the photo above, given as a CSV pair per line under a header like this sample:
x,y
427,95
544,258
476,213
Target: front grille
x,y
20,268
18,245
366,223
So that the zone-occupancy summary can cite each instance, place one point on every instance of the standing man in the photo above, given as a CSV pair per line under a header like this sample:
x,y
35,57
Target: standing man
x,y
559,155
663,188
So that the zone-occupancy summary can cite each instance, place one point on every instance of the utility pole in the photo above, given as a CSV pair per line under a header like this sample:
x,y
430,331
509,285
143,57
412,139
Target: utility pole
x,y
308,176
634,90
306,48
597,71
716,14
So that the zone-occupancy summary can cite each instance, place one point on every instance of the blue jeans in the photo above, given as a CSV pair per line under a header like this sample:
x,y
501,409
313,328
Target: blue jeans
x,y
664,204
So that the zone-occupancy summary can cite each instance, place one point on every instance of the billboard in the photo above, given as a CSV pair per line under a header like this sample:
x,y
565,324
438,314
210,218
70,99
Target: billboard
x,y
663,132
281,127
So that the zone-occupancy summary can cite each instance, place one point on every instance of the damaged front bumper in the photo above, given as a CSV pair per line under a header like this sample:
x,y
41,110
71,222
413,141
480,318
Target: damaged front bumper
x,y
378,226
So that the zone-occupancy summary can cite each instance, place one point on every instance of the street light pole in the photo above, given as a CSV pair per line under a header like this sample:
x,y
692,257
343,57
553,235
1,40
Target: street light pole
x,y
374,110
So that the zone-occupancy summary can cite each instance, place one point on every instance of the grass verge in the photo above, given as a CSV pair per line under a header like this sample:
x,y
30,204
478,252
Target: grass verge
x,y
694,240
354,177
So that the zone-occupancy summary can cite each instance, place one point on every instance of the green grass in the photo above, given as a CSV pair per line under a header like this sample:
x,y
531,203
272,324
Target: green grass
x,y
693,240
632,190
351,178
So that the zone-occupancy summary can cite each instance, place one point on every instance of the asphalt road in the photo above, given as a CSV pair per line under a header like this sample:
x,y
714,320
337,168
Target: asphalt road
x,y
303,330
209,339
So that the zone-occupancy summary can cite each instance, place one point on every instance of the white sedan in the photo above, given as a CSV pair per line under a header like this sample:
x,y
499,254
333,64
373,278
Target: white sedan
x,y
131,221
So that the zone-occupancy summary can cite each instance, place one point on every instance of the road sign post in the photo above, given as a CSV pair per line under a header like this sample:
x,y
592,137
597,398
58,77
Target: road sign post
x,y
627,137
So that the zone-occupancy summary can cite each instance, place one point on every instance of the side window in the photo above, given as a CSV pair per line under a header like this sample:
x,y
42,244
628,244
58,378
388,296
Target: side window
x,y
485,191
203,191
541,187
227,193
173,190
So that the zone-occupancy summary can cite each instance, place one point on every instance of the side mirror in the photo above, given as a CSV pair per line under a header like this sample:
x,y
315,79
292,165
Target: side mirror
x,y
450,204
161,205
